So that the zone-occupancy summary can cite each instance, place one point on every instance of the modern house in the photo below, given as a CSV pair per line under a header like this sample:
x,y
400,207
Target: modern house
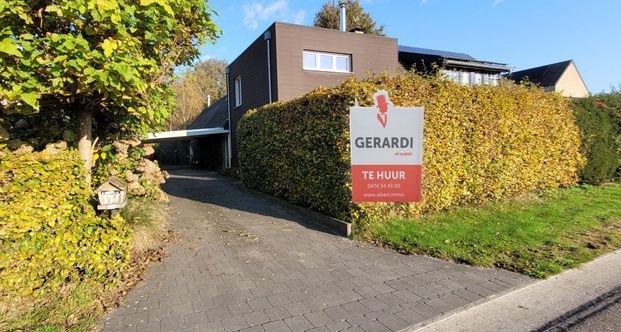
x,y
288,60
562,77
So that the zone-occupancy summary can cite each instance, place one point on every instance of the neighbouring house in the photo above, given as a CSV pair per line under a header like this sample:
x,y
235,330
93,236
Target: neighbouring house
x,y
289,60
562,77
458,67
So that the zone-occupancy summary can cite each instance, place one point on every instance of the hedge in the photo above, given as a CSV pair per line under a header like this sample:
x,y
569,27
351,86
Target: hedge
x,y
49,233
599,119
480,143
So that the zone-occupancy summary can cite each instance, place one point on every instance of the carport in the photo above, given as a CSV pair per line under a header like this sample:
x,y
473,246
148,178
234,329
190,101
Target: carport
x,y
205,144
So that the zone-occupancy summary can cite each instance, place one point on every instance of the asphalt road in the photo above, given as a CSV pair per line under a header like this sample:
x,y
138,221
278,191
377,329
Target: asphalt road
x,y
601,314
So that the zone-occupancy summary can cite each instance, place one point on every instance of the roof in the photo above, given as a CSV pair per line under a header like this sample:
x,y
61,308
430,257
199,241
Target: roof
x,y
443,54
455,58
214,116
547,75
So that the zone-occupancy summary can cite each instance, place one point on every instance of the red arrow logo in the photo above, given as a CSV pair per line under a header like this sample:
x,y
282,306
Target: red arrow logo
x,y
382,102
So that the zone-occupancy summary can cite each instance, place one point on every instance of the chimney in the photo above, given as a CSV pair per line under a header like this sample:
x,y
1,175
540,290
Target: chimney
x,y
343,7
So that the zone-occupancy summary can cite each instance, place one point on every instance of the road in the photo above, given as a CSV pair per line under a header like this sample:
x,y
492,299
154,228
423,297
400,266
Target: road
x,y
601,314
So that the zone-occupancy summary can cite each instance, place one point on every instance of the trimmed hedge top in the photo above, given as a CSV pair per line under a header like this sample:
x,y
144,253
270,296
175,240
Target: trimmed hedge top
x,y
480,143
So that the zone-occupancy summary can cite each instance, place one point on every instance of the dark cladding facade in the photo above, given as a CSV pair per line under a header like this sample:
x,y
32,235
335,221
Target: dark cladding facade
x,y
301,58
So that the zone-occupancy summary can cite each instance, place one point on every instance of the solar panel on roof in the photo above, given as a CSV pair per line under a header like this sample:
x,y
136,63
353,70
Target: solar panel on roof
x,y
444,54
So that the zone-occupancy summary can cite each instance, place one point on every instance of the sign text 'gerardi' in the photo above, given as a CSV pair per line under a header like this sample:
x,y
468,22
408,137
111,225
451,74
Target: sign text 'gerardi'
x,y
386,151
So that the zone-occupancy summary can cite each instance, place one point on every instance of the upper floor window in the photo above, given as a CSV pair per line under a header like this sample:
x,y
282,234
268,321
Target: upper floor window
x,y
238,91
321,61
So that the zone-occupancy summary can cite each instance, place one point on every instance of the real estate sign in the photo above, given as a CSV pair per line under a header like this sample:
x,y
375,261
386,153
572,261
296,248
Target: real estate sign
x,y
386,151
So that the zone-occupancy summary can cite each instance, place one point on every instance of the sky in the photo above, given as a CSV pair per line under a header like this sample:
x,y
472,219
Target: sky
x,y
520,33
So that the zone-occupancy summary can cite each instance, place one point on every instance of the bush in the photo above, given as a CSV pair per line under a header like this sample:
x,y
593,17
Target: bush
x,y
49,233
599,119
480,143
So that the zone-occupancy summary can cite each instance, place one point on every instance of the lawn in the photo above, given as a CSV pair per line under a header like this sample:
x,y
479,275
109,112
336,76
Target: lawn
x,y
539,235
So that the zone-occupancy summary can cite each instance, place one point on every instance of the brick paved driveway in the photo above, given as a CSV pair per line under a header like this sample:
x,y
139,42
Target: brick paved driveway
x,y
245,264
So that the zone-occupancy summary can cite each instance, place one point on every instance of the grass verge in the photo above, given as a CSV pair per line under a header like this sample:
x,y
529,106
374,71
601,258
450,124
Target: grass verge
x,y
79,306
536,235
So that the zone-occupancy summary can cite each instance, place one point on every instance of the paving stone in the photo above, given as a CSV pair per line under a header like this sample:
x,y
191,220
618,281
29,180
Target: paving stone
x,y
239,308
171,324
410,316
215,326
194,319
234,323
393,322
277,300
276,326
355,308
318,318
298,308
258,304
149,327
338,326
407,296
254,329
276,313
256,318
260,264
337,313
373,326
298,323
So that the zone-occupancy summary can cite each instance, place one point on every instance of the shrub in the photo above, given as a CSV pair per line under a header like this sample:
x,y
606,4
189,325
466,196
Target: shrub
x,y
599,119
49,233
480,143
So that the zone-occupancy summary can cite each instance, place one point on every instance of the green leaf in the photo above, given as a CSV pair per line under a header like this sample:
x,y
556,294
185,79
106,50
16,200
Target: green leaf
x,y
8,46
32,99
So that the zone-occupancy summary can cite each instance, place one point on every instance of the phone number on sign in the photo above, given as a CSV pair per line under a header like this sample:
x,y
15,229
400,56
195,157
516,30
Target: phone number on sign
x,y
383,185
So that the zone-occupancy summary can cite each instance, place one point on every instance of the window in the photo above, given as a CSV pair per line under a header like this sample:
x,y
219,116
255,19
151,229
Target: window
x,y
333,62
238,91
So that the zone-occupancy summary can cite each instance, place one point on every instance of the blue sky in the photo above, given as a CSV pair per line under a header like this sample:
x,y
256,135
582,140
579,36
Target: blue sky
x,y
521,33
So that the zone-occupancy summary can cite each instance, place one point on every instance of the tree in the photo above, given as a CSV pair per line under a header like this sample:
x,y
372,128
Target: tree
x,y
108,60
329,17
206,78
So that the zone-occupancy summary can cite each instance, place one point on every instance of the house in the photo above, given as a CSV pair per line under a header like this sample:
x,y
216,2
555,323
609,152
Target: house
x,y
562,77
289,60
458,67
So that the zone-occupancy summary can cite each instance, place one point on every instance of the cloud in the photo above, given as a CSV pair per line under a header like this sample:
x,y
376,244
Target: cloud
x,y
259,12
422,2
497,2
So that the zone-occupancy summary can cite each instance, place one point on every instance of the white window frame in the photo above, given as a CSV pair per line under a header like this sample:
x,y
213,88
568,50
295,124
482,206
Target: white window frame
x,y
238,91
334,57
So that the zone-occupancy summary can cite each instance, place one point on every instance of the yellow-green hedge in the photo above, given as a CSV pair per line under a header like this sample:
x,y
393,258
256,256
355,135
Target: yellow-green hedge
x,y
49,233
480,143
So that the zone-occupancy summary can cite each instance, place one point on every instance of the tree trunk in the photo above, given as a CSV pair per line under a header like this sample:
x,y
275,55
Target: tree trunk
x,y
85,133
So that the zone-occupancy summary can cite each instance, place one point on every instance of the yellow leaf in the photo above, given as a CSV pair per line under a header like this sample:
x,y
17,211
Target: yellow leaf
x,y
108,47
